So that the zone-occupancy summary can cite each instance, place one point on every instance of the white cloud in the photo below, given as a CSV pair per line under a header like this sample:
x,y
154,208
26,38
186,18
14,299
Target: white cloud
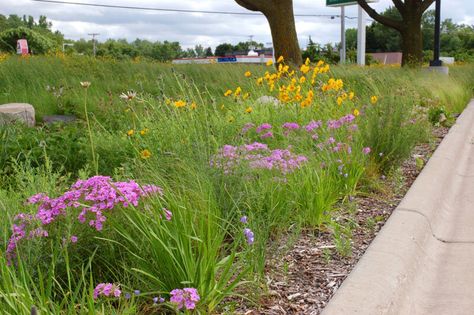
x,y
206,29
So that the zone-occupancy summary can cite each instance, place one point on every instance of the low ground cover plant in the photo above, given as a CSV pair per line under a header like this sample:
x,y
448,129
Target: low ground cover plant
x,y
168,191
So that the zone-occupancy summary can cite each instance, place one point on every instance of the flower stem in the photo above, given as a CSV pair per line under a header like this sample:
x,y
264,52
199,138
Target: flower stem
x,y
94,160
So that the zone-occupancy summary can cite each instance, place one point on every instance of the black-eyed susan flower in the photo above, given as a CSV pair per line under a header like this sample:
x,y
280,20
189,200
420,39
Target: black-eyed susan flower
x,y
145,154
374,99
179,103
248,74
130,132
248,110
227,93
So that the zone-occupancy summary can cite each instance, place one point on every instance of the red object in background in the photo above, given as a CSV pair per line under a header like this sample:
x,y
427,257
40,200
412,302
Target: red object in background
x,y
22,47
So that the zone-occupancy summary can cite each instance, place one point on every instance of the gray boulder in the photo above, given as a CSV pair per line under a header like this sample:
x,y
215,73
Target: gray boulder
x,y
17,112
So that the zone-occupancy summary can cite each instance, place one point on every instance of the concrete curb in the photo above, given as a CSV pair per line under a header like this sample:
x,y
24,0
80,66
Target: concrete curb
x,y
422,261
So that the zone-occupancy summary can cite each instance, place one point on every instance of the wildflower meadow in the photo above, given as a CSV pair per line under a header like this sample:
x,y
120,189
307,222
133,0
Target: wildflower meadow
x,y
169,189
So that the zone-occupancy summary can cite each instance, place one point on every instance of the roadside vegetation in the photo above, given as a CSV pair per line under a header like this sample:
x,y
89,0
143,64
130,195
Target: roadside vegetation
x,y
166,192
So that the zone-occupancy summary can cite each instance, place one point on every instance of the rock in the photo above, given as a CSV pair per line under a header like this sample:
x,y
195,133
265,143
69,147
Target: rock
x,y
24,113
442,118
268,100
59,118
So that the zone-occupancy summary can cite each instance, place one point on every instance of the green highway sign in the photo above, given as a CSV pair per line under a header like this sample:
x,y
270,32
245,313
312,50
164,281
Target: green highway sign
x,y
338,3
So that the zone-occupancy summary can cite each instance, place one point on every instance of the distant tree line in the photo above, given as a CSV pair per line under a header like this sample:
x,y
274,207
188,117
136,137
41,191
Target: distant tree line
x,y
456,40
42,39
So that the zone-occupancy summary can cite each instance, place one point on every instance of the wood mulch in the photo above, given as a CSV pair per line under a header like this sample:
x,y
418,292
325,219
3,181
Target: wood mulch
x,y
302,275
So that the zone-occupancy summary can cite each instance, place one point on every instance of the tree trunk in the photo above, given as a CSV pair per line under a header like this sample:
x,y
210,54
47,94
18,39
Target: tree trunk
x,y
412,42
281,18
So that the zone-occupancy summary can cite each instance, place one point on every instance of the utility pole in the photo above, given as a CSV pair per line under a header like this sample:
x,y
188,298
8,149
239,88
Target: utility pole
x,y
343,35
436,49
361,37
94,42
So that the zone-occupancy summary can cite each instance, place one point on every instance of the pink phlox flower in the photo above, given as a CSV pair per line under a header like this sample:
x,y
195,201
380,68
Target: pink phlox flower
x,y
185,298
262,127
291,126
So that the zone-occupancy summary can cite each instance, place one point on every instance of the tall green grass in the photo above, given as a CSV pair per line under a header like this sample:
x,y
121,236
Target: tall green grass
x,y
204,245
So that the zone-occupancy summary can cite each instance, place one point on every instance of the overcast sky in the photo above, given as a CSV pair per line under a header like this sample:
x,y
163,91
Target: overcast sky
x,y
205,29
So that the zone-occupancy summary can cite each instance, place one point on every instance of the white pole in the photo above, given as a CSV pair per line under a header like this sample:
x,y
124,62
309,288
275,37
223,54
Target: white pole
x,y
343,35
361,37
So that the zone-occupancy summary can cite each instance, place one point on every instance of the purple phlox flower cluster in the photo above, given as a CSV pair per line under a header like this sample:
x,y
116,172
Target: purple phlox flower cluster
x,y
107,290
336,124
247,127
185,298
259,156
263,127
20,231
93,196
98,193
266,135
331,140
313,125
249,235
256,146
291,126
366,150
283,160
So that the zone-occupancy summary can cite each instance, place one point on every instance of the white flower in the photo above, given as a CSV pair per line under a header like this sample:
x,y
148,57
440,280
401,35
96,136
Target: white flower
x,y
130,95
85,84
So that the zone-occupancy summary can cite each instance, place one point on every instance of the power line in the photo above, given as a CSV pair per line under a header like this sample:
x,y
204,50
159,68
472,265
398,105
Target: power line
x,y
178,10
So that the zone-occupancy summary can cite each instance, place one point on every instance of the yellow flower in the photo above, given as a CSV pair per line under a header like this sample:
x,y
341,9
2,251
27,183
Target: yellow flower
x,y
302,80
248,74
179,103
238,90
351,96
374,99
259,81
130,132
246,96
193,105
269,63
145,154
339,101
356,112
307,62
248,110
344,96
228,92
280,59
144,131
320,63
305,69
